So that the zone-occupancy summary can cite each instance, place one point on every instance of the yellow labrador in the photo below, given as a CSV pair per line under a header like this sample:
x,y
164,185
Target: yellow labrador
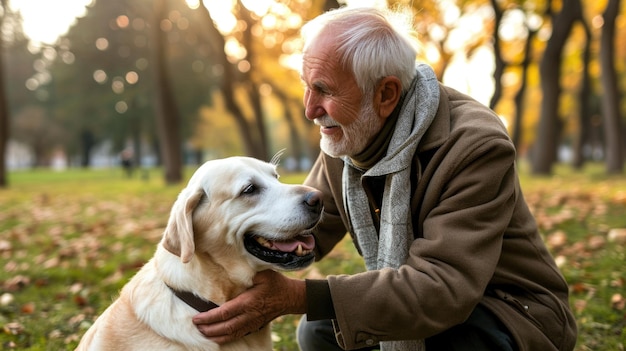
x,y
232,220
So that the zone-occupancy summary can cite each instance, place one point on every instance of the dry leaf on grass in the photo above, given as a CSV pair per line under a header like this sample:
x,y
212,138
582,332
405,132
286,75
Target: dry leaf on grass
x,y
13,328
28,308
556,240
618,302
617,235
16,283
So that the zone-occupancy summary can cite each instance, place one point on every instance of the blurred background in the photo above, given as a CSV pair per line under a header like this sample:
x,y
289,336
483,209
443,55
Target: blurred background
x,y
167,83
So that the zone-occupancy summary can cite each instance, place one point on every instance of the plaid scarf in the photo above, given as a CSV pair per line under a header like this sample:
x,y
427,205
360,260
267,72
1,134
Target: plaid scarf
x,y
390,247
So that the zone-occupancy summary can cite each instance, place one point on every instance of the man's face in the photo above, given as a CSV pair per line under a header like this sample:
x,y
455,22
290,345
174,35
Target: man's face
x,y
348,120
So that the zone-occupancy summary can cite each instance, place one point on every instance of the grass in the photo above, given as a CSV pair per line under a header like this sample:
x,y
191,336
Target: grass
x,y
70,240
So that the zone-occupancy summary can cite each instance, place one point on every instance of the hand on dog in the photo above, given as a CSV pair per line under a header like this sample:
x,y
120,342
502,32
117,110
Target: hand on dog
x,y
272,295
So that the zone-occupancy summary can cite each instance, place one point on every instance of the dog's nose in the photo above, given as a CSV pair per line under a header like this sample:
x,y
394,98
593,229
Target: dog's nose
x,y
313,201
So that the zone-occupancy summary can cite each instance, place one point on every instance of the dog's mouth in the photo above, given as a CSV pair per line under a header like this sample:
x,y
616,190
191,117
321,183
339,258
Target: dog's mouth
x,y
291,254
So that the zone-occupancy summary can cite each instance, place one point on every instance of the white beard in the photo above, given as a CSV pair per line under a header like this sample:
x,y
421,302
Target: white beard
x,y
355,136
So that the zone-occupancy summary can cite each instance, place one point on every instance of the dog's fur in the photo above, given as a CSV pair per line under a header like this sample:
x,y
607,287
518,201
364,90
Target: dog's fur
x,y
202,251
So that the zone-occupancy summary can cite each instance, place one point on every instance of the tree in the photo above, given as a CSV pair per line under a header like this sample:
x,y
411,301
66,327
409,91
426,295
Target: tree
x,y
241,77
103,82
4,109
610,94
550,125
497,53
228,86
521,92
90,94
166,109
584,115
16,69
34,127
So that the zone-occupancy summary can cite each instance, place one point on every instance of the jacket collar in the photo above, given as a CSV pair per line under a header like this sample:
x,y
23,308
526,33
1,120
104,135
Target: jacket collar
x,y
439,130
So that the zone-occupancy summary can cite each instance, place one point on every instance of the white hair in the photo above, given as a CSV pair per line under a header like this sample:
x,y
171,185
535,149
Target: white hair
x,y
372,43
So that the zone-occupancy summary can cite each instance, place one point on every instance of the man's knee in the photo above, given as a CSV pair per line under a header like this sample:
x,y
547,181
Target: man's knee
x,y
319,335
316,335
481,331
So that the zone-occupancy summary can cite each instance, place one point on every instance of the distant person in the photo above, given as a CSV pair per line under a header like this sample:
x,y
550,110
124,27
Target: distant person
x,y
424,179
126,158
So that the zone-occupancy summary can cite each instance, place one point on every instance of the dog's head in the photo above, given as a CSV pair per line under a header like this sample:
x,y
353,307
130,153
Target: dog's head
x,y
235,210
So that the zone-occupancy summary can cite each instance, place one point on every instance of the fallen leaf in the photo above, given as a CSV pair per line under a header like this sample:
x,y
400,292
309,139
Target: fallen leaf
x,y
617,283
55,334
580,305
80,300
51,263
618,302
11,266
41,282
13,328
76,288
16,283
617,235
596,242
77,319
28,308
579,288
5,245
72,338
556,240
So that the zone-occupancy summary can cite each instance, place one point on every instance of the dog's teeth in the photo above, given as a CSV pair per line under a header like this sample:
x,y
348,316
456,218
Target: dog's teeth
x,y
299,250
263,242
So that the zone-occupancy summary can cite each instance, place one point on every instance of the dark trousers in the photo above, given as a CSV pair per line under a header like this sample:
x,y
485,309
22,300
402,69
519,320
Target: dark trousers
x,y
482,331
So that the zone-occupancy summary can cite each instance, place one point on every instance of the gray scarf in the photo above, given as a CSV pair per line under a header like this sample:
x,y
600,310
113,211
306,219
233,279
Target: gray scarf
x,y
391,247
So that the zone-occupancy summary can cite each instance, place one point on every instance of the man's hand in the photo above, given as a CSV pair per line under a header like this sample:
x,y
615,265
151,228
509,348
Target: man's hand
x,y
272,295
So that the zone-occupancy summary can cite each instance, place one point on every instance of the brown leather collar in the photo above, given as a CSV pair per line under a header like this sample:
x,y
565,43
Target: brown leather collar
x,y
193,300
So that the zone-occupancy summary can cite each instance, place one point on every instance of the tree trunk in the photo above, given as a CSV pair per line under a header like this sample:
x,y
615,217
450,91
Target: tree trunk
x,y
548,134
4,111
166,109
87,142
294,137
610,94
500,65
521,92
227,86
584,114
253,89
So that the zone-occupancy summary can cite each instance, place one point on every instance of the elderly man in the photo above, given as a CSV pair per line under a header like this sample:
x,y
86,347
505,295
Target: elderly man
x,y
424,180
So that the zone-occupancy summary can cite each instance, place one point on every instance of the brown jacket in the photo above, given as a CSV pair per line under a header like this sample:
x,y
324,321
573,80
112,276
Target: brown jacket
x,y
476,243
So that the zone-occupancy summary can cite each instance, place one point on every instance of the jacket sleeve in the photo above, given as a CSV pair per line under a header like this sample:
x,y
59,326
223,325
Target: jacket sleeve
x,y
472,197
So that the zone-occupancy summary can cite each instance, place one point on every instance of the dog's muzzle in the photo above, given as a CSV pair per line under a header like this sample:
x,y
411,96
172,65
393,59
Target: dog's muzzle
x,y
292,254
296,252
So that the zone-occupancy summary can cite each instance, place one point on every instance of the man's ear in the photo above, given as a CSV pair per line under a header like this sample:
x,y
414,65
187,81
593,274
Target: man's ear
x,y
387,95
178,237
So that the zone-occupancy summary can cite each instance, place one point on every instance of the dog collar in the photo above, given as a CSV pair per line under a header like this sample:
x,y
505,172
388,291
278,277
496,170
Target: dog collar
x,y
193,300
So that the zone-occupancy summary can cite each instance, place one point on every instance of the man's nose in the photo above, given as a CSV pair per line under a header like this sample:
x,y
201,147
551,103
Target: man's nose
x,y
312,108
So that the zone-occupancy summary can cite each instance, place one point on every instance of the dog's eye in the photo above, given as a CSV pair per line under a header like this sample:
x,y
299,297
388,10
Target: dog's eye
x,y
249,189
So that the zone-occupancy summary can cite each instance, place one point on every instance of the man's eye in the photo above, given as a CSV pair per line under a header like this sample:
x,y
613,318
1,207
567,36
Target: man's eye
x,y
323,91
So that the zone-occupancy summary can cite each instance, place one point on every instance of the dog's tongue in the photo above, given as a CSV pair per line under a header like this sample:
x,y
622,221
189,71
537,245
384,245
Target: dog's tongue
x,y
307,242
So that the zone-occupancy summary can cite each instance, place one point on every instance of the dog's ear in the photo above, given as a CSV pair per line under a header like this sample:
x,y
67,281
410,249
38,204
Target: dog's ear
x,y
178,237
